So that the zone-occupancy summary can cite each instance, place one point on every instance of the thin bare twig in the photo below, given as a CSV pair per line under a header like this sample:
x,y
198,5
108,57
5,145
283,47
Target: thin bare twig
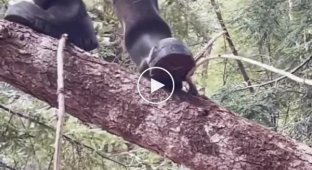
x,y
206,50
270,68
207,47
279,78
201,53
61,102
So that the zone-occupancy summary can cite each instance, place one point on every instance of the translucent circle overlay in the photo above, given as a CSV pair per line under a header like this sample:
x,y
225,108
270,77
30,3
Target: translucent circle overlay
x,y
138,85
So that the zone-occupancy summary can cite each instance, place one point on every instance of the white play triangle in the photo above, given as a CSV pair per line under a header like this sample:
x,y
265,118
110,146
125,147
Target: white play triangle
x,y
155,85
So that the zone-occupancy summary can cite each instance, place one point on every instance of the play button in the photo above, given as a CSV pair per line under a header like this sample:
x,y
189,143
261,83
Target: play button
x,y
156,85
158,91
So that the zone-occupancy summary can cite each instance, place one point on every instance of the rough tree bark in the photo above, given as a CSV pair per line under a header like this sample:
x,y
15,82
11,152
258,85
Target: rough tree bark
x,y
187,129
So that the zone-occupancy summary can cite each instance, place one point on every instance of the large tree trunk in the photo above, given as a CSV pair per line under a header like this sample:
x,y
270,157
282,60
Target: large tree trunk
x,y
187,129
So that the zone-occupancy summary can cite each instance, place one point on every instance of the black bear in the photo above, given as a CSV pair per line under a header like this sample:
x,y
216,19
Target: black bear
x,y
55,17
147,36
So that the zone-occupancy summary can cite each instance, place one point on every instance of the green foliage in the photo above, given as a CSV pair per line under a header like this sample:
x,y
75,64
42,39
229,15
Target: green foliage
x,y
279,34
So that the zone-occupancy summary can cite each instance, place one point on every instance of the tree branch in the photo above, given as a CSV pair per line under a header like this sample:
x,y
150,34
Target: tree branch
x,y
231,44
284,74
187,129
207,48
281,77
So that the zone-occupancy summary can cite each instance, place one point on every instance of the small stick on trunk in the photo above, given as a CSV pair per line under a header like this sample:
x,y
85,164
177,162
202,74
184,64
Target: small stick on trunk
x,y
61,102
